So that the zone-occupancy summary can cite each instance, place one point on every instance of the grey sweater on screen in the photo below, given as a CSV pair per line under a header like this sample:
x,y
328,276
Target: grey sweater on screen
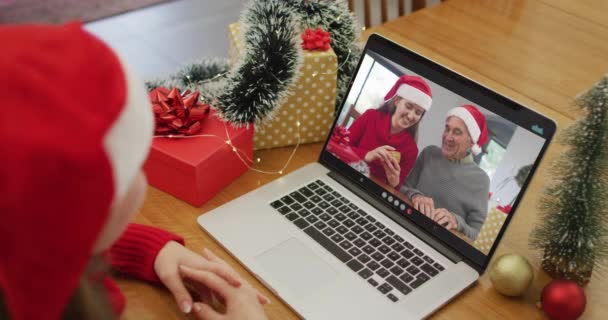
x,y
458,186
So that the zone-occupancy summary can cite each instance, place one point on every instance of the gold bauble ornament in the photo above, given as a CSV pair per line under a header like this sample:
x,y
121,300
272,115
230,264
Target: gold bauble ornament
x,y
511,275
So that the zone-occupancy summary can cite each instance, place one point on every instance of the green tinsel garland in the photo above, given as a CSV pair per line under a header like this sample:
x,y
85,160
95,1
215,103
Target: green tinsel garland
x,y
269,65
259,83
194,76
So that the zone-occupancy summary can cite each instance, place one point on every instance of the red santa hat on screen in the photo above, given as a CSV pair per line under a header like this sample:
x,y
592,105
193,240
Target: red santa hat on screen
x,y
475,122
75,130
412,88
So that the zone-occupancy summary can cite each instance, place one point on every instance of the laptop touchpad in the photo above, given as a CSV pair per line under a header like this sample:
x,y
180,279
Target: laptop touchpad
x,y
296,267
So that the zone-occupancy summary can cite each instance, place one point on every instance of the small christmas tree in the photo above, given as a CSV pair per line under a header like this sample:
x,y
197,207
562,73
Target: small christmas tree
x,y
573,233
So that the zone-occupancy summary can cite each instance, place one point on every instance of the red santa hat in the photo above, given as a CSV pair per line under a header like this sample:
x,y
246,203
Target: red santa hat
x,y
75,129
476,124
412,88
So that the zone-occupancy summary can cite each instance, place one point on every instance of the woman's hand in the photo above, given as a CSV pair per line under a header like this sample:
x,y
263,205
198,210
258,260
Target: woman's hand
x,y
424,205
241,302
446,218
392,170
381,153
173,255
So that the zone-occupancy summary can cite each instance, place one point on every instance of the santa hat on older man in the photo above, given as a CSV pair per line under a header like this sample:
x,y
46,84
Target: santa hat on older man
x,y
476,124
75,130
412,88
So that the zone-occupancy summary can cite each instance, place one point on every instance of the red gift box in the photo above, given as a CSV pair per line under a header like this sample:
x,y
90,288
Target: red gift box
x,y
196,168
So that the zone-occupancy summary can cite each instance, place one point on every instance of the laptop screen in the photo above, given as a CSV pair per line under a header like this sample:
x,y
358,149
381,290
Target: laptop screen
x,y
441,150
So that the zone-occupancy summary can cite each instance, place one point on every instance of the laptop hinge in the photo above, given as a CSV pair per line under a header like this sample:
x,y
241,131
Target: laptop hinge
x,y
388,211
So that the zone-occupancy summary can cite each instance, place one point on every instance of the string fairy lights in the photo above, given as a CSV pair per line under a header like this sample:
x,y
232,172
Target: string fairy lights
x,y
242,155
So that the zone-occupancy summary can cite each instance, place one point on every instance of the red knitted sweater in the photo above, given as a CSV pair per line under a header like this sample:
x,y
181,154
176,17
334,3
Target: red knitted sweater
x,y
371,130
133,254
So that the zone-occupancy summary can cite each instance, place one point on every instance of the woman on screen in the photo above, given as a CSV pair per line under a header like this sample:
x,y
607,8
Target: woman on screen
x,y
385,138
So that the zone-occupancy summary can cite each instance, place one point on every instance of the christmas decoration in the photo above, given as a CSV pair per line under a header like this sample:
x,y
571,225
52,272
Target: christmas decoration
x,y
573,233
511,275
489,230
177,113
195,168
335,17
315,40
339,145
340,136
563,300
311,102
193,75
272,58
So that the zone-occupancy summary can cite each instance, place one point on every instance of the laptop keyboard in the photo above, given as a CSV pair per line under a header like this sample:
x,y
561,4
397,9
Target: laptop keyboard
x,y
386,261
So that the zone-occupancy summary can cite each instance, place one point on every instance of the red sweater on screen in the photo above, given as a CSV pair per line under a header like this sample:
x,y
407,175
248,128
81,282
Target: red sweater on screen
x,y
372,130
133,254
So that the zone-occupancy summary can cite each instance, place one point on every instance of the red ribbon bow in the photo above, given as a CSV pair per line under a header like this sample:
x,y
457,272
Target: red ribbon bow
x,y
177,114
315,40
340,136
506,209
339,145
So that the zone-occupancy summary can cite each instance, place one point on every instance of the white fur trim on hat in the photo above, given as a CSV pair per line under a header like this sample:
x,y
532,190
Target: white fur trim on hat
x,y
128,140
415,95
469,121
476,149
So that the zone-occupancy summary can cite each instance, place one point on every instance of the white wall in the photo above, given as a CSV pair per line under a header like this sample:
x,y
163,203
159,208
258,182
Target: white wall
x,y
522,150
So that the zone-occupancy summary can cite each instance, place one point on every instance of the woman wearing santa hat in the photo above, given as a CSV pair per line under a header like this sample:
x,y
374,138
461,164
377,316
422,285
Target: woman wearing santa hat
x,y
385,138
77,129
446,184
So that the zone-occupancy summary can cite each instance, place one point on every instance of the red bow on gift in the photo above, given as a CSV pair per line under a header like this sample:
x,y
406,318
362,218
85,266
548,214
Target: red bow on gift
x,y
177,114
339,145
506,209
315,39
340,135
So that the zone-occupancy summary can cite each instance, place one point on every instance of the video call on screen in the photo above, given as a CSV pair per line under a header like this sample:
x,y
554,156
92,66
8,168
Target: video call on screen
x,y
476,191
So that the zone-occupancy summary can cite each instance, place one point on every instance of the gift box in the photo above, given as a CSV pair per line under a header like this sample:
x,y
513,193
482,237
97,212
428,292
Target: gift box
x,y
196,168
339,145
312,103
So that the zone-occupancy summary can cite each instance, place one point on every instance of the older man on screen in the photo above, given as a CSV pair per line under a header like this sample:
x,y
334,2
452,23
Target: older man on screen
x,y
446,184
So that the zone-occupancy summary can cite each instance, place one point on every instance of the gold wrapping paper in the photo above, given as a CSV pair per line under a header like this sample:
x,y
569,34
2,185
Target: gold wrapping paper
x,y
312,103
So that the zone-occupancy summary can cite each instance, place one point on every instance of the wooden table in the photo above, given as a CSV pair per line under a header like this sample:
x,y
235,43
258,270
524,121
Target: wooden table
x,y
542,53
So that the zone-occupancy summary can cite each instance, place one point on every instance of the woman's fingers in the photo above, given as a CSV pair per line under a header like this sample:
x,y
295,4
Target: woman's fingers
x,y
221,267
225,272
209,279
395,164
209,255
384,155
205,312
174,284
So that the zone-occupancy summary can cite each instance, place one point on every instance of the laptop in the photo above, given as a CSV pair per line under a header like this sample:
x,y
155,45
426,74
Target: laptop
x,y
336,242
